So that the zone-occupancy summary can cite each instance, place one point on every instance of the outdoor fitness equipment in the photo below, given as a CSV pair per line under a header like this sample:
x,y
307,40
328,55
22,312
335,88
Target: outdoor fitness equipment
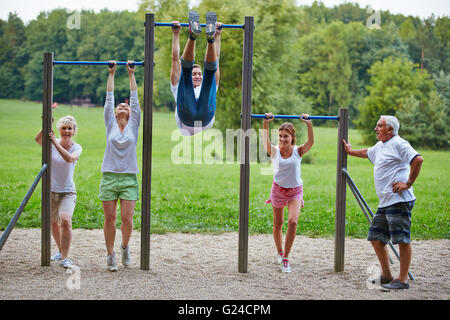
x,y
91,63
283,116
246,116
339,233
47,101
170,24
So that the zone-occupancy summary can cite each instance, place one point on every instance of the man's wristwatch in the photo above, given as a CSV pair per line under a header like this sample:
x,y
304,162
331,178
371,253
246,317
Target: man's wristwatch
x,y
409,183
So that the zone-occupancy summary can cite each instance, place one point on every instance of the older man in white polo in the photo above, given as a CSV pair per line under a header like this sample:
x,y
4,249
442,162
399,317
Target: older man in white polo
x,y
396,167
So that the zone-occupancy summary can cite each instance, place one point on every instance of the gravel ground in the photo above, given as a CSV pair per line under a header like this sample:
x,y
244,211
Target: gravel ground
x,y
205,267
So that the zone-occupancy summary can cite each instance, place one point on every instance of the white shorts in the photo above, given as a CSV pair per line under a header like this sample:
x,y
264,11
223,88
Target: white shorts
x,y
63,203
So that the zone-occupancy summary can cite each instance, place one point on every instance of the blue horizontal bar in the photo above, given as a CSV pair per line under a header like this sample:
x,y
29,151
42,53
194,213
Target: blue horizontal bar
x,y
281,116
96,63
169,24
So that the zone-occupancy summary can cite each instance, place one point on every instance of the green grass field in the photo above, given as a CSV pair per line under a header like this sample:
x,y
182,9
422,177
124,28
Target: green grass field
x,y
205,197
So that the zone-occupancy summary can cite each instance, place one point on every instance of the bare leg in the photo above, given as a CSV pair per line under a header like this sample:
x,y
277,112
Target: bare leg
x,y
405,260
56,232
278,228
189,50
383,256
109,228
66,234
211,54
126,213
294,212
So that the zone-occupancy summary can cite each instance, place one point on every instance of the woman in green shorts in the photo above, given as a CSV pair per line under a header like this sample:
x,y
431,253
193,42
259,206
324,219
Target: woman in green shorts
x,y
119,167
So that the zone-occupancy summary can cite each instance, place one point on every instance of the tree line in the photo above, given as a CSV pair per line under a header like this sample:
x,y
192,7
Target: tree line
x,y
310,59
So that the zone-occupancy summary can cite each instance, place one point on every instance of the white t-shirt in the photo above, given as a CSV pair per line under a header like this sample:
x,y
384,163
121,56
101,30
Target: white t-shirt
x,y
392,160
187,130
287,172
62,171
120,152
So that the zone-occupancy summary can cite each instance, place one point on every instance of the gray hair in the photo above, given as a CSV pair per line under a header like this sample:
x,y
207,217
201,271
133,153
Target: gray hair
x,y
392,122
67,120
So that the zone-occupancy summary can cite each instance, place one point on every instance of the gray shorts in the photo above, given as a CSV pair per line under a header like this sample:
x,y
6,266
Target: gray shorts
x,y
392,223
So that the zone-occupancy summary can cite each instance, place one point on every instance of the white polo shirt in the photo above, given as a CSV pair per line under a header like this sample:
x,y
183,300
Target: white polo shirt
x,y
392,160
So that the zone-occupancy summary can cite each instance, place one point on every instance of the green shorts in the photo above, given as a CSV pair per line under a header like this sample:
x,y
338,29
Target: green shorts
x,y
118,186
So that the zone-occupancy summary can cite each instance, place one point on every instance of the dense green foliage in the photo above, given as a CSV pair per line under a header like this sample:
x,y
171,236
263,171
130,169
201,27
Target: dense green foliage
x,y
311,59
205,197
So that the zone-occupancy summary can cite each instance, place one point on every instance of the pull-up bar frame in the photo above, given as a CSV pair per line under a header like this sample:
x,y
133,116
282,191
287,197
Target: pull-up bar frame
x,y
339,233
119,63
170,24
150,25
283,116
246,110
247,73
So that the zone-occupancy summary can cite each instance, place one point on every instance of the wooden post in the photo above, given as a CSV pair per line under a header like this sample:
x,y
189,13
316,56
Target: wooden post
x,y
47,102
147,141
246,108
339,233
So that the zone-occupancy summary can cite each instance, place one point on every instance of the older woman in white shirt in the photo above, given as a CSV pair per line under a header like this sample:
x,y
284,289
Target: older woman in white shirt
x,y
119,167
65,154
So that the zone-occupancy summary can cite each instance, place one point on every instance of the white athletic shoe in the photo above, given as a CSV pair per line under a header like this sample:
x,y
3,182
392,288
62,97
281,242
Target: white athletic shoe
x,y
111,262
66,263
126,259
285,266
280,257
56,257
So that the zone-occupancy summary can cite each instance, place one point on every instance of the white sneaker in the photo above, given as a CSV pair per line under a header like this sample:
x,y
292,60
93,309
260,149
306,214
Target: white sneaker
x,y
126,259
56,257
285,266
280,257
111,262
66,263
